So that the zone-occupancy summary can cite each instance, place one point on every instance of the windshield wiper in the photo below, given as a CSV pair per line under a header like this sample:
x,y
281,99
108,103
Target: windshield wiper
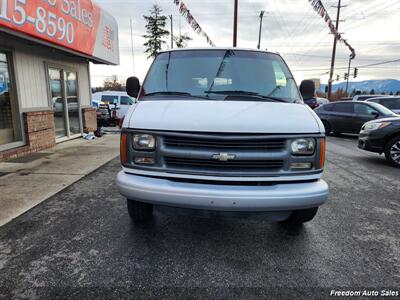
x,y
173,93
246,93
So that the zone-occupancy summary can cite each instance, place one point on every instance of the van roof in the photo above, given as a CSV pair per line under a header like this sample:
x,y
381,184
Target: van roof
x,y
218,48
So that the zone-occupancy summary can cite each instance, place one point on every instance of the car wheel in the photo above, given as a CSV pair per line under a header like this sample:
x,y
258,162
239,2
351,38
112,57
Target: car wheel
x,y
327,126
392,151
139,211
301,216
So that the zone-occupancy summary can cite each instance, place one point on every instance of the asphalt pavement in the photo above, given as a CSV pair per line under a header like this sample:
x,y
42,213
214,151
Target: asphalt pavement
x,y
81,243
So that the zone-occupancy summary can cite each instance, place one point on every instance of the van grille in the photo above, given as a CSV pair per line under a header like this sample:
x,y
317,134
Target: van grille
x,y
212,143
213,165
252,154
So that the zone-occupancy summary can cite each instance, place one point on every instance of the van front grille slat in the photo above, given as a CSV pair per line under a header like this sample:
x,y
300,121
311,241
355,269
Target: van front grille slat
x,y
178,142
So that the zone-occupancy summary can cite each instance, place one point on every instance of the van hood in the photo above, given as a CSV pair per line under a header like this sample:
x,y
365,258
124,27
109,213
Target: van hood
x,y
224,116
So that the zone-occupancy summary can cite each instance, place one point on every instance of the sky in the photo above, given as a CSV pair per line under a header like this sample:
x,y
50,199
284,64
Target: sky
x,y
290,27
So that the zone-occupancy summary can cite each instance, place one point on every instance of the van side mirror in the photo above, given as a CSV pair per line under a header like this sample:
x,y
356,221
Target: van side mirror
x,y
132,86
307,89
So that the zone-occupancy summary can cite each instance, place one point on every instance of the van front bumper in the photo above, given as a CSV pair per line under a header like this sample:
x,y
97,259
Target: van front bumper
x,y
236,198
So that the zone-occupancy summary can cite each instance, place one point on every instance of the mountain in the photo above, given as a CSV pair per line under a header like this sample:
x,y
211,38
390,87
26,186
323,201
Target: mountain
x,y
380,86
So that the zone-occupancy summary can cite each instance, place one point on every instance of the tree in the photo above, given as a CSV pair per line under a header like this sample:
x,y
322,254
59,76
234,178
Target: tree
x,y
112,84
156,32
182,40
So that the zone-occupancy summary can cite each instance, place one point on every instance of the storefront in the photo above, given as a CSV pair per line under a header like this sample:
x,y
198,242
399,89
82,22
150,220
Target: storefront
x,y
45,50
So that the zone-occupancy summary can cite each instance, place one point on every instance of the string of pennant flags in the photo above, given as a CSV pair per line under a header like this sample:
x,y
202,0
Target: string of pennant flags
x,y
320,9
184,11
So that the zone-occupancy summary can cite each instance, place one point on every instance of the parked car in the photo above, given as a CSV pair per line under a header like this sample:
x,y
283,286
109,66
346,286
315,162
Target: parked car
x,y
322,101
382,136
121,99
222,131
350,116
365,97
393,103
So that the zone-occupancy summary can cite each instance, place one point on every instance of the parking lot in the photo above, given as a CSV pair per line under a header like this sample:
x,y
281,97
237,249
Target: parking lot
x,y
81,242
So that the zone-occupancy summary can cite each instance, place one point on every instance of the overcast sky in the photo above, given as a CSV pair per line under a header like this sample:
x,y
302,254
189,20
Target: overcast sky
x,y
290,27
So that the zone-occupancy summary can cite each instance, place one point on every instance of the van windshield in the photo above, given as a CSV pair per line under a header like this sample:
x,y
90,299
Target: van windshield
x,y
209,74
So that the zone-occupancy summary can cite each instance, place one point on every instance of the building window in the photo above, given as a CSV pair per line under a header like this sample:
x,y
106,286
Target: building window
x,y
10,128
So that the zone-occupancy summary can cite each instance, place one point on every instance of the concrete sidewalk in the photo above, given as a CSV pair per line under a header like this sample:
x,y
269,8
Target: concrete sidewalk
x,y
27,181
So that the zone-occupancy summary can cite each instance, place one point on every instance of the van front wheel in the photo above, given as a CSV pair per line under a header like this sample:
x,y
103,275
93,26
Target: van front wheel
x,y
302,216
139,211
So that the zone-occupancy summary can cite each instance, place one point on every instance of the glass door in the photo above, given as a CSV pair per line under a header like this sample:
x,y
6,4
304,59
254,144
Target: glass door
x,y
64,95
57,100
72,102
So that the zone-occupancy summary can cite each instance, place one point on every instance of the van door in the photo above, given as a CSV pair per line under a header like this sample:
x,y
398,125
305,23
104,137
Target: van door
x,y
125,104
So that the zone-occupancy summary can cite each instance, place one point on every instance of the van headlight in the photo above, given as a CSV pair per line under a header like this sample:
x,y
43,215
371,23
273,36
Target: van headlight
x,y
144,142
303,146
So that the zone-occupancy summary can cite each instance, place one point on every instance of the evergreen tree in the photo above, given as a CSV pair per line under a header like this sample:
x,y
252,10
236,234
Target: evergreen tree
x,y
182,40
156,32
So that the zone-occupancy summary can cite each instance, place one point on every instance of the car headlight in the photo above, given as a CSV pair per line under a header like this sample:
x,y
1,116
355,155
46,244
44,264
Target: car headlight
x,y
375,125
304,146
144,142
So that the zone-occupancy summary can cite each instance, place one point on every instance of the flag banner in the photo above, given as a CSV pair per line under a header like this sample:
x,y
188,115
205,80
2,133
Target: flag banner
x,y
320,9
185,12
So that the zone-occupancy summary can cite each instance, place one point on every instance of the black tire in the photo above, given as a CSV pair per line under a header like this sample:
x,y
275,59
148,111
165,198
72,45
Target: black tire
x,y
301,216
328,127
139,211
392,151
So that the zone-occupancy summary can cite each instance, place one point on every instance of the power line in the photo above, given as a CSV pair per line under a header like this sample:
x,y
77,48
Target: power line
x,y
359,67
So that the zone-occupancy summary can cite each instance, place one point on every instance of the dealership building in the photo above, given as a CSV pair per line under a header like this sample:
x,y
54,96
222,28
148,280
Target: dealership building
x,y
45,50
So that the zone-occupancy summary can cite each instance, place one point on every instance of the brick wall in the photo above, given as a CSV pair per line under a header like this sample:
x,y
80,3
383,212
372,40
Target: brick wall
x,y
89,119
39,134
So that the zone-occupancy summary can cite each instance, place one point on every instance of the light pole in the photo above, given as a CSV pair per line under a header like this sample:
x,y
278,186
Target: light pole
x,y
348,76
334,51
235,16
133,58
259,33
172,31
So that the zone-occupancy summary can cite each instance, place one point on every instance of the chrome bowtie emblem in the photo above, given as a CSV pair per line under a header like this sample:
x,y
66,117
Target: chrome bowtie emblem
x,y
223,156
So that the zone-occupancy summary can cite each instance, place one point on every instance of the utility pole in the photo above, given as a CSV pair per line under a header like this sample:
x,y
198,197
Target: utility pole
x,y
259,33
133,58
348,76
235,16
172,31
334,51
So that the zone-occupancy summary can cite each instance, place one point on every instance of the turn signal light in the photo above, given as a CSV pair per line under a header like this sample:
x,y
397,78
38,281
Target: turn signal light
x,y
123,148
322,153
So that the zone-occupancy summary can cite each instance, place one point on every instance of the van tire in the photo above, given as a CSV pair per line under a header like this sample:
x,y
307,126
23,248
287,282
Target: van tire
x,y
301,216
388,148
139,211
328,127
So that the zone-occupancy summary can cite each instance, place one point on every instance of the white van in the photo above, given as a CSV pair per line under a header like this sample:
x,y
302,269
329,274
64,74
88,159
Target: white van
x,y
222,131
122,99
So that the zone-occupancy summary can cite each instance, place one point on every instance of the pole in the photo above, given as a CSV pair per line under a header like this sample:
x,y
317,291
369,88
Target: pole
x,y
172,32
334,52
348,76
259,33
235,16
133,59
